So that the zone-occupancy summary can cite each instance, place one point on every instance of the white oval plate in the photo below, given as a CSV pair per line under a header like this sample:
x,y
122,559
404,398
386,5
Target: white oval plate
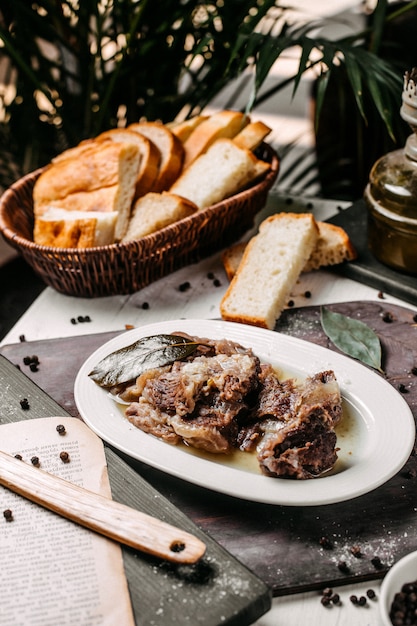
x,y
375,440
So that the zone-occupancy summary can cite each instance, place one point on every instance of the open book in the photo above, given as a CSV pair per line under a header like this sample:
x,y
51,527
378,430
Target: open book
x,y
54,571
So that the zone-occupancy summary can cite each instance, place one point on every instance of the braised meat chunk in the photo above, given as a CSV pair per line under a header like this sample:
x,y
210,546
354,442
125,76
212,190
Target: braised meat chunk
x,y
199,401
297,425
221,398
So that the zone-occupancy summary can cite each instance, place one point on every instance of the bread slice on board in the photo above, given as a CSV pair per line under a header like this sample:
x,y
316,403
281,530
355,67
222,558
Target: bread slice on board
x,y
170,148
224,124
217,174
333,247
74,229
155,211
270,267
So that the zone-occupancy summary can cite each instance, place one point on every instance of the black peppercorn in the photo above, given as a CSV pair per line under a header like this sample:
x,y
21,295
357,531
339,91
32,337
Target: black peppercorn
x,y
387,317
343,567
356,551
290,303
326,543
371,594
35,460
184,286
18,457
376,562
354,599
362,601
8,515
60,429
64,456
25,404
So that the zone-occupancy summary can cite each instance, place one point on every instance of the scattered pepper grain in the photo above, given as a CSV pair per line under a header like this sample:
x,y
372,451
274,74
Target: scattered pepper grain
x,y
35,461
371,594
145,306
343,567
387,317
8,515
22,338
376,562
60,429
64,456
18,457
356,551
325,543
25,404
184,286
402,388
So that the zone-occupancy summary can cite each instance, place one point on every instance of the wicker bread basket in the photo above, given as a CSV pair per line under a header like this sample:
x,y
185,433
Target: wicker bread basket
x,y
128,267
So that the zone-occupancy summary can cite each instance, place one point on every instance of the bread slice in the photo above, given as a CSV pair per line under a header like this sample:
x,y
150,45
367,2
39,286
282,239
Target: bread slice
x,y
224,124
218,173
271,265
252,135
102,178
74,229
149,156
333,247
96,167
155,211
184,129
170,148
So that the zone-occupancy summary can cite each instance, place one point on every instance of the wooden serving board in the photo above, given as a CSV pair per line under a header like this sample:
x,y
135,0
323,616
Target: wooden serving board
x,y
284,545
218,589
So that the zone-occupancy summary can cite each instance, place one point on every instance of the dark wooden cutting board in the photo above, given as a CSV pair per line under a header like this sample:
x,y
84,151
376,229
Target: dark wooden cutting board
x,y
284,545
217,590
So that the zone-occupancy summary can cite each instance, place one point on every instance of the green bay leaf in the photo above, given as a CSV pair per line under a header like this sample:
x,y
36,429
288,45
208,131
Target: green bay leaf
x,y
352,337
126,364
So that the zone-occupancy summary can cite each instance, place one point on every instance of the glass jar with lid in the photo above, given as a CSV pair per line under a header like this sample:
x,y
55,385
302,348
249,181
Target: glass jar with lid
x,y
391,194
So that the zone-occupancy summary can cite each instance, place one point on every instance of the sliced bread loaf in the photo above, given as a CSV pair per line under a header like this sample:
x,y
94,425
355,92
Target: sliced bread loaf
x,y
252,135
184,129
74,229
155,211
271,265
217,174
149,156
170,148
224,124
333,247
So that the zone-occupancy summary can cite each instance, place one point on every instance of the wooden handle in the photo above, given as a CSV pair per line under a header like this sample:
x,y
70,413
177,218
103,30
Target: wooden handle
x,y
98,513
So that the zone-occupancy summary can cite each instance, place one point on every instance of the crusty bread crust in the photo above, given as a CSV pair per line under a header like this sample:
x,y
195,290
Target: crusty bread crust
x,y
333,247
252,135
99,166
149,156
74,229
224,124
183,130
271,264
170,148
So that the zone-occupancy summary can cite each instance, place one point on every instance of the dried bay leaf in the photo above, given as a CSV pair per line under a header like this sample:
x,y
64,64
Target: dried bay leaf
x,y
126,364
352,337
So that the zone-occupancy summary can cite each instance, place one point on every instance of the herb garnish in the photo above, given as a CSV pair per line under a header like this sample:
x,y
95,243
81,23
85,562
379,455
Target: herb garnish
x,y
352,337
128,363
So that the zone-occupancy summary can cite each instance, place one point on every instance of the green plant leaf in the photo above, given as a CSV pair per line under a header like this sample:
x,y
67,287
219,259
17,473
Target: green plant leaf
x,y
128,363
352,337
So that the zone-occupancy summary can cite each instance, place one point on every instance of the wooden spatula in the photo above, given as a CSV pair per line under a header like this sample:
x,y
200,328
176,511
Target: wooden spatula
x,y
98,513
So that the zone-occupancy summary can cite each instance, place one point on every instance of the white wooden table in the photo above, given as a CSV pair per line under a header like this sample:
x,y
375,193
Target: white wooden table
x,y
50,317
